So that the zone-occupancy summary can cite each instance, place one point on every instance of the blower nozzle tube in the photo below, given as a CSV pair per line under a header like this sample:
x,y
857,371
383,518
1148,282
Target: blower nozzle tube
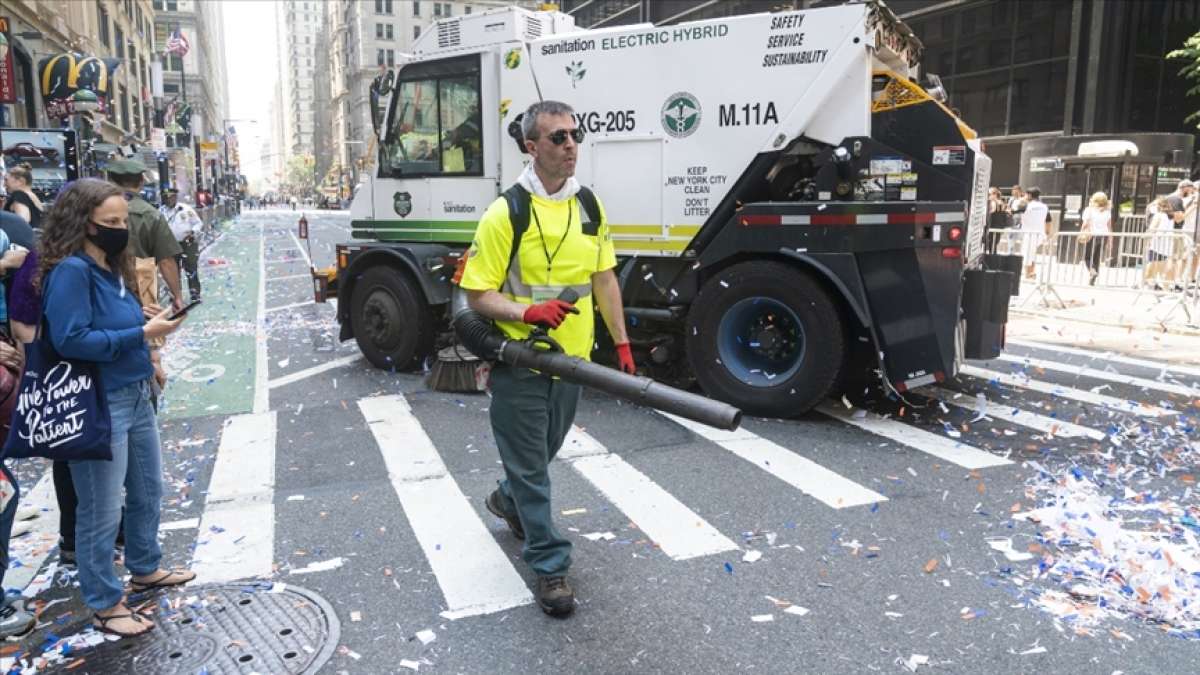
x,y
481,337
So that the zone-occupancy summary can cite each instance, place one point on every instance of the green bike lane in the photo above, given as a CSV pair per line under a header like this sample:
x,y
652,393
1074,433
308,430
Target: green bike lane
x,y
210,360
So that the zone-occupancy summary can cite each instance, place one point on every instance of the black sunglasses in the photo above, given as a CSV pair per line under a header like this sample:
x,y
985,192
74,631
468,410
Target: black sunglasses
x,y
559,137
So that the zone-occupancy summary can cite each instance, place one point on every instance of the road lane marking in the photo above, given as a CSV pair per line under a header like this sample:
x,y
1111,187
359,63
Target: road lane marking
x,y
804,474
41,540
1022,381
237,529
185,524
1084,371
315,370
675,528
291,276
1109,356
948,449
303,251
294,305
474,573
262,401
1005,412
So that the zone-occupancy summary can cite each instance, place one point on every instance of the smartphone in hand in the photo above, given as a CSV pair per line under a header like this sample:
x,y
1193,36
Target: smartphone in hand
x,y
183,312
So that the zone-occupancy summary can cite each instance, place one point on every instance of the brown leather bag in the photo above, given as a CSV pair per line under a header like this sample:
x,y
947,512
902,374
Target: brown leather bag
x,y
10,382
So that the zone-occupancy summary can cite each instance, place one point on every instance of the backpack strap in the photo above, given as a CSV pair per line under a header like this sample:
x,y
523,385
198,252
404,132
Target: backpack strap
x,y
587,199
518,215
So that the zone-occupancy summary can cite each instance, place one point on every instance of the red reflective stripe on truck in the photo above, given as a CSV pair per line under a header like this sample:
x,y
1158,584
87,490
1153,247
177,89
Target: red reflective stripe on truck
x,y
909,218
762,219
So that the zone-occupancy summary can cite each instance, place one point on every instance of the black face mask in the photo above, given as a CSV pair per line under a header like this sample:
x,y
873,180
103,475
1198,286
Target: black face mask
x,y
111,240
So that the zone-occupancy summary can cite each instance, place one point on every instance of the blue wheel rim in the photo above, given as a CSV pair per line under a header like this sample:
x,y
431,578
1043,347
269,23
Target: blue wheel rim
x,y
761,341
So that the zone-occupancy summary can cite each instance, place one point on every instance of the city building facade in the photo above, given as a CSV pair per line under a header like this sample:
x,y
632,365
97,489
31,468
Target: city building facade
x,y
197,82
110,29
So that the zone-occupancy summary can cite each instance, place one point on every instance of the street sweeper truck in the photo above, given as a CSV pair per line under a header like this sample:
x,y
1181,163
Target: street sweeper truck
x,y
794,209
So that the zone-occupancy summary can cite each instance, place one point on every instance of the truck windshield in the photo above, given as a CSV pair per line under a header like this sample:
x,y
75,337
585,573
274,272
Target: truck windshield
x,y
435,125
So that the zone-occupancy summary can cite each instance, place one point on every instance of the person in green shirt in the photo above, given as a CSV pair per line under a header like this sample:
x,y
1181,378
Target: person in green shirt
x,y
152,246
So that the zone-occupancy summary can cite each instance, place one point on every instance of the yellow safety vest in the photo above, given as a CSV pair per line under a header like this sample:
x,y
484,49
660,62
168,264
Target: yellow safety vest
x,y
545,264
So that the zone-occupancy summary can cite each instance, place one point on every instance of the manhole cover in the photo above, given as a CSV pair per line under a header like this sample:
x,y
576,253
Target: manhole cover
x,y
230,628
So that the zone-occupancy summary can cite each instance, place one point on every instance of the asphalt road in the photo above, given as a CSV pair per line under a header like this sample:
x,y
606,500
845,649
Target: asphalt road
x,y
806,545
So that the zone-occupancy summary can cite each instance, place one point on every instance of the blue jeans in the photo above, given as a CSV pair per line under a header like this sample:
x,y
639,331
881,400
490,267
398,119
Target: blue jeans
x,y
6,522
136,464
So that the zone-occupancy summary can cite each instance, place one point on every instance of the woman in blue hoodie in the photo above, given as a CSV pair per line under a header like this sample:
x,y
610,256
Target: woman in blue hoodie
x,y
92,313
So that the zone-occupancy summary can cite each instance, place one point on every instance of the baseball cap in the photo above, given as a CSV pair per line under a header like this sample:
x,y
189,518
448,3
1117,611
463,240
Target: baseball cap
x,y
125,167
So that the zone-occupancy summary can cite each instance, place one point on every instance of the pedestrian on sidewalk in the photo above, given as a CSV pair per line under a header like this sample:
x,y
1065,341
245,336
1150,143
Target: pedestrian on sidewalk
x,y
563,248
85,274
1094,233
1016,201
1159,230
998,218
22,200
1035,217
155,251
186,226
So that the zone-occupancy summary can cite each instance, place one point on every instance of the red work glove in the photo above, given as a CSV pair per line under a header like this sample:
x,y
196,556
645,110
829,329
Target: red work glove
x,y
549,313
625,358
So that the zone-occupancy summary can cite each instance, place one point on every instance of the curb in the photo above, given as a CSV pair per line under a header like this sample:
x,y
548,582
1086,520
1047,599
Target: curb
x,y
1156,327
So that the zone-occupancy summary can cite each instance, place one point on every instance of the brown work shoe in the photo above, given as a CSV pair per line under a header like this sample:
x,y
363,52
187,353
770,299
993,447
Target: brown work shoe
x,y
495,504
555,596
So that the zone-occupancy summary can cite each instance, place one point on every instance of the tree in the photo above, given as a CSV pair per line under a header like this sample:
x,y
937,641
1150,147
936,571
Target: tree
x,y
1191,70
299,175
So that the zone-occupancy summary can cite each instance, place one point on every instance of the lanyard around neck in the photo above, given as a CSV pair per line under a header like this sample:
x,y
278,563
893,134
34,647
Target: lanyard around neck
x,y
545,249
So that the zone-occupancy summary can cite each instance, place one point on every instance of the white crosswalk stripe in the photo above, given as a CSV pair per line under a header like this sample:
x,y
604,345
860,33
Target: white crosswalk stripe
x,y
678,531
1007,413
1095,373
1084,396
804,474
948,449
1109,356
474,573
237,531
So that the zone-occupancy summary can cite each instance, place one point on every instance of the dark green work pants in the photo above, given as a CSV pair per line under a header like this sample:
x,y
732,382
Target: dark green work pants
x,y
531,415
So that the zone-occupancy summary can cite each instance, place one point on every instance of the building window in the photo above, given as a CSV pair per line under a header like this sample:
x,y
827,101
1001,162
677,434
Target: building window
x,y
378,31
437,9
103,16
391,57
466,9
120,35
445,9
169,88
416,32
379,57
383,6
387,32
416,8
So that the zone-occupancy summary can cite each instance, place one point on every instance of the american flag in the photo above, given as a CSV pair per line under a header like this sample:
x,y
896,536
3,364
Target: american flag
x,y
178,44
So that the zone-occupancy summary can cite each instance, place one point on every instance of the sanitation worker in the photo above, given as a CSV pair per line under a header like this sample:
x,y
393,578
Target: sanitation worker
x,y
562,242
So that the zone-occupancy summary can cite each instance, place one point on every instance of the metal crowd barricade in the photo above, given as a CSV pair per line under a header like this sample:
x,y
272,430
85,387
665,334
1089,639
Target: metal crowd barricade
x,y
1159,263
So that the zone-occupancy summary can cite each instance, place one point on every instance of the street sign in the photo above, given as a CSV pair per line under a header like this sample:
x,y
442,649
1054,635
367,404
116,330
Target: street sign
x,y
8,85
158,140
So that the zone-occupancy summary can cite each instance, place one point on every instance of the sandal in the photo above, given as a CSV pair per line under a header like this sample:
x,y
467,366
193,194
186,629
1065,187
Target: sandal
x,y
166,580
135,617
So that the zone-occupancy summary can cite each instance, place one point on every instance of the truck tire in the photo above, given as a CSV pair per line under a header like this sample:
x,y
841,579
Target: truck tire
x,y
392,325
767,338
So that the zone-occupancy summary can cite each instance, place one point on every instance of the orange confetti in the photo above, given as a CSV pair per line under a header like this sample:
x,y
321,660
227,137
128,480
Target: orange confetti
x,y
1015,507
1143,594
931,566
1188,478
